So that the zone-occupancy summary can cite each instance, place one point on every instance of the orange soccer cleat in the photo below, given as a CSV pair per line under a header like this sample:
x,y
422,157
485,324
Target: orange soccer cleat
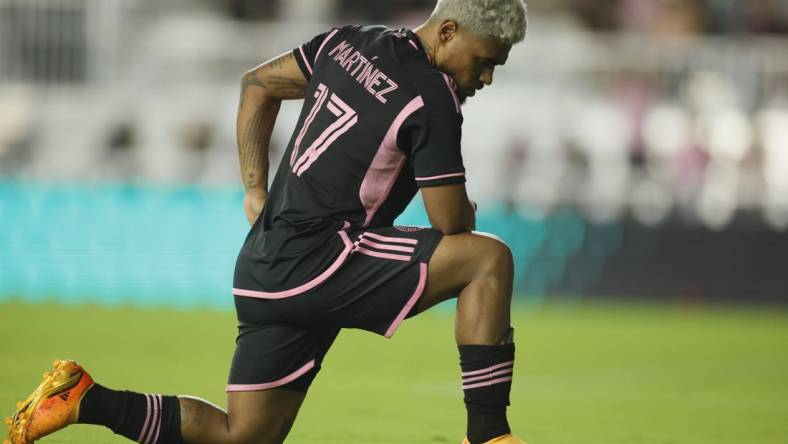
x,y
504,439
53,405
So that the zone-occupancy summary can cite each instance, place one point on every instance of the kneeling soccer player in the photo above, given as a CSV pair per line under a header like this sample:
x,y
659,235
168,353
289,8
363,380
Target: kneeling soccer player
x,y
381,120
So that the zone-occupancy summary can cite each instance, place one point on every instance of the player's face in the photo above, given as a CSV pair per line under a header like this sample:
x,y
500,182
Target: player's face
x,y
470,59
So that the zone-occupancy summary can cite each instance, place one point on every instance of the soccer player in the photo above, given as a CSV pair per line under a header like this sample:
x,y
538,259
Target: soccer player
x,y
381,120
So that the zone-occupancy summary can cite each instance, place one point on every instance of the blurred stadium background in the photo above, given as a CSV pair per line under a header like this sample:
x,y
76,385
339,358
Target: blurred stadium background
x,y
630,149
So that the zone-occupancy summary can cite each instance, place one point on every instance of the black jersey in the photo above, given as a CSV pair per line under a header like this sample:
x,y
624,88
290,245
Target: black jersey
x,y
378,122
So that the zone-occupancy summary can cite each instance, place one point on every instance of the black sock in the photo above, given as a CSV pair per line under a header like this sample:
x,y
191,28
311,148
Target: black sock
x,y
149,419
486,382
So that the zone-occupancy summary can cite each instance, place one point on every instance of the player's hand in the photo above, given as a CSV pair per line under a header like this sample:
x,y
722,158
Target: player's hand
x,y
253,204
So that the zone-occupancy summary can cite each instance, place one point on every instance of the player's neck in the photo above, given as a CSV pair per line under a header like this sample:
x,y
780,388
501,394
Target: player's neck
x,y
426,34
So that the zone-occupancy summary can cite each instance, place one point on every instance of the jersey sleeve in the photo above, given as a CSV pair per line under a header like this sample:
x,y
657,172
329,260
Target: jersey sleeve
x,y
306,55
433,137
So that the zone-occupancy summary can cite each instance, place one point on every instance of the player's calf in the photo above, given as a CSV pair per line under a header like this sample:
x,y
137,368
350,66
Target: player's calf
x,y
480,269
484,305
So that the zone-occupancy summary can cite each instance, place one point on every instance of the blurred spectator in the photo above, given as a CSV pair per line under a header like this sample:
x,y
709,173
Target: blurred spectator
x,y
379,11
598,15
253,10
120,161
766,16
684,16
16,129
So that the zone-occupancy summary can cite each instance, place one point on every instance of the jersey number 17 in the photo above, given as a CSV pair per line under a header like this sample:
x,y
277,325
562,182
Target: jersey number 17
x,y
345,116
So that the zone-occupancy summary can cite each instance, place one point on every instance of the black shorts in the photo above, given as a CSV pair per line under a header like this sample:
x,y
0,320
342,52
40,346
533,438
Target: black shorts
x,y
374,285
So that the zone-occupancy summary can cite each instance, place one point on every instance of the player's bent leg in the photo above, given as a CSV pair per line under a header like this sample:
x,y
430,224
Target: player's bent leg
x,y
479,270
68,395
264,416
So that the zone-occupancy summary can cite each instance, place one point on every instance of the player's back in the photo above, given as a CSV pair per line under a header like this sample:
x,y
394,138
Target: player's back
x,y
347,164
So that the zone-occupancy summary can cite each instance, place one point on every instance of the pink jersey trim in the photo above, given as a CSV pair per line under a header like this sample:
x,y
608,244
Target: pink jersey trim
x,y
507,371
486,383
307,286
147,417
488,369
450,84
306,62
392,256
267,385
413,44
411,302
325,40
386,165
398,240
442,176
379,246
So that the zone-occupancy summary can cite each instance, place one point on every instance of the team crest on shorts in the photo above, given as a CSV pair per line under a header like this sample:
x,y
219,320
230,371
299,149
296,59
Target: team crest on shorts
x,y
408,229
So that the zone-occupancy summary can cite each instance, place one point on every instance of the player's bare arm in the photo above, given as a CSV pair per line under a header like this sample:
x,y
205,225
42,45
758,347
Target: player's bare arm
x,y
449,209
262,91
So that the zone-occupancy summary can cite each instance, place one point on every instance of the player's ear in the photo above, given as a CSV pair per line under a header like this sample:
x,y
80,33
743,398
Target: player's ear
x,y
447,30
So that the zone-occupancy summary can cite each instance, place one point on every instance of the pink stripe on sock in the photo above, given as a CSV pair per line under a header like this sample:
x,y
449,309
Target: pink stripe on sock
x,y
401,248
147,417
507,371
267,385
394,257
306,62
158,425
154,418
487,383
411,302
399,240
488,369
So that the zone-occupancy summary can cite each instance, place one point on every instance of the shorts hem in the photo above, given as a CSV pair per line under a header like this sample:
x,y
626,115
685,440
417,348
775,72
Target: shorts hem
x,y
411,302
269,385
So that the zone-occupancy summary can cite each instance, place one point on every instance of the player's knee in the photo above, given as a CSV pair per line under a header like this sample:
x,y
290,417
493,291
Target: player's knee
x,y
498,259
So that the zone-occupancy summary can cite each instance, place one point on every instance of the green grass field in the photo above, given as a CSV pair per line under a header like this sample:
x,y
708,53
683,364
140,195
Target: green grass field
x,y
585,374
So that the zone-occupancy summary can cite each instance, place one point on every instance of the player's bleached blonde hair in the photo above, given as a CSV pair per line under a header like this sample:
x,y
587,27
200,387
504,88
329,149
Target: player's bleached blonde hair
x,y
501,19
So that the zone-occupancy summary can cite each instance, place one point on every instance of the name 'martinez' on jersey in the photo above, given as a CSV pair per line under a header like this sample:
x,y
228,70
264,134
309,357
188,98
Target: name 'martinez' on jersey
x,y
363,70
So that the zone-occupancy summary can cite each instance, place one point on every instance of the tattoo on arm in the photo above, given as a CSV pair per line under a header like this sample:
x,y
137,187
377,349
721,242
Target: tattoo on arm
x,y
253,145
280,61
257,110
286,86
192,412
249,79
268,76
249,148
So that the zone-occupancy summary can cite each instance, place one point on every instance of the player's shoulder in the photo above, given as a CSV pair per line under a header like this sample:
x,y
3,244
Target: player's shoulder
x,y
436,89
364,32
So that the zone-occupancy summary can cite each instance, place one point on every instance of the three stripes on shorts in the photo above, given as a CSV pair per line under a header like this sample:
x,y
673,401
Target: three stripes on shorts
x,y
385,247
